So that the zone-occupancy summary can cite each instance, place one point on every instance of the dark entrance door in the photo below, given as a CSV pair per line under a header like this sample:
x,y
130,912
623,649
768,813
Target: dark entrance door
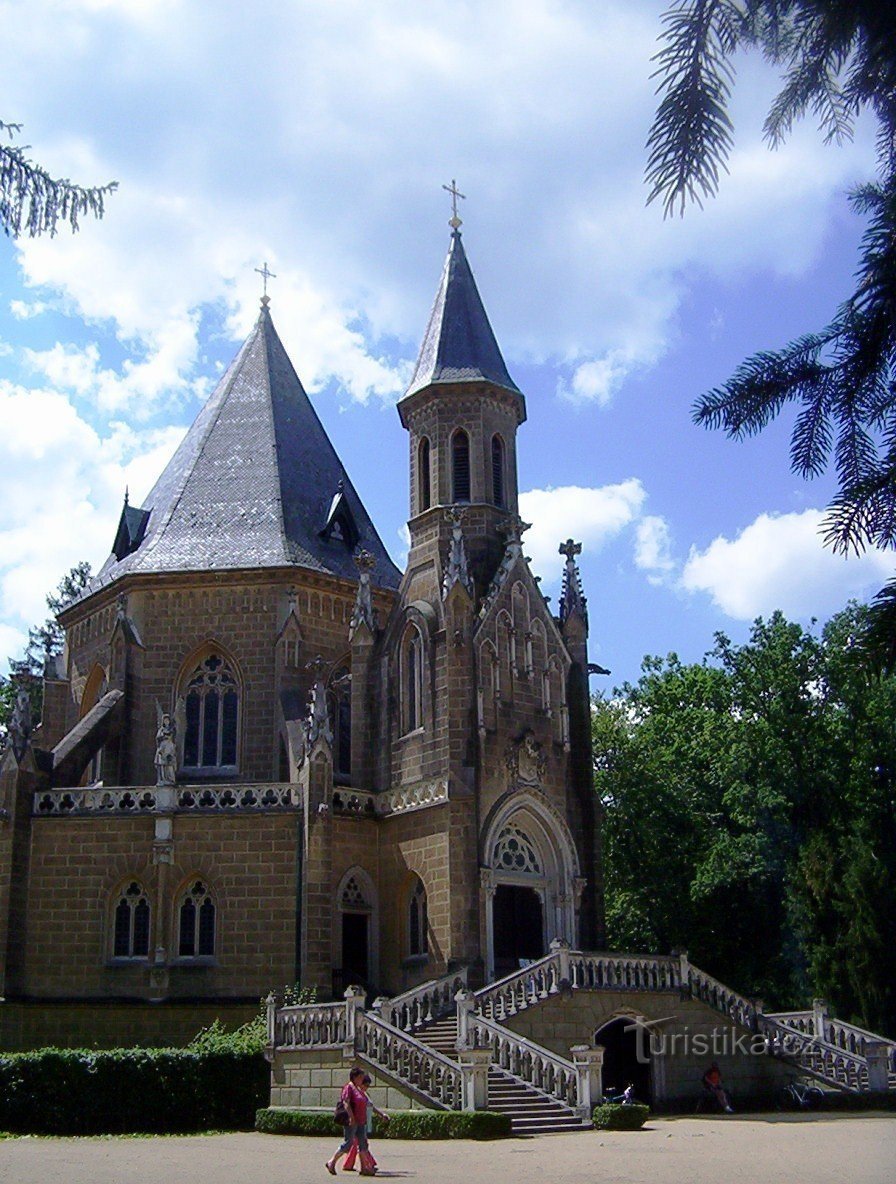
x,y
626,1058
518,927
354,948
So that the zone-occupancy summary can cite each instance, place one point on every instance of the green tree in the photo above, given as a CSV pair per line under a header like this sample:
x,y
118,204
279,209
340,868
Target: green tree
x,y
747,807
838,59
44,641
31,201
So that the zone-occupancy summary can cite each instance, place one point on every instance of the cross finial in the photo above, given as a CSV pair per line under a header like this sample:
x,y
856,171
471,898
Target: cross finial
x,y
266,274
454,222
570,549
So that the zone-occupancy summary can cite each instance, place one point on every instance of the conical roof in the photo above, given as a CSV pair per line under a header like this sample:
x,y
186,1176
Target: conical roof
x,y
459,344
254,483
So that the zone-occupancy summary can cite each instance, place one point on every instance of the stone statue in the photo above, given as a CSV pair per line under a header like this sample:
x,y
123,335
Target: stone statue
x,y
20,723
166,747
526,760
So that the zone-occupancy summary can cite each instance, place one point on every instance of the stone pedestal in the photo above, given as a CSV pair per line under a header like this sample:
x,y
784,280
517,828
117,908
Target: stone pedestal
x,y
474,1065
588,1061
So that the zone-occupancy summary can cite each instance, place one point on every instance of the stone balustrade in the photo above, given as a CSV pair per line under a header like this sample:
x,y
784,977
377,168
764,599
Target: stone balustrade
x,y
422,1069
709,990
422,1004
315,1025
847,1069
219,799
530,1062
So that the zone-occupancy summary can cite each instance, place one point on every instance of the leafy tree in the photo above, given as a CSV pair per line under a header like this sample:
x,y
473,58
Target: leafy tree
x,y
838,59
31,201
748,815
43,641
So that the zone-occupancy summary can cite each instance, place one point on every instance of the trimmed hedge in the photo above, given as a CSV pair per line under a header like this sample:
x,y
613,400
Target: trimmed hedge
x,y
403,1124
132,1090
612,1116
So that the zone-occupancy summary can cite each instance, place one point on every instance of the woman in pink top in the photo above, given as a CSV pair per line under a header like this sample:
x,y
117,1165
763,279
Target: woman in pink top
x,y
355,1100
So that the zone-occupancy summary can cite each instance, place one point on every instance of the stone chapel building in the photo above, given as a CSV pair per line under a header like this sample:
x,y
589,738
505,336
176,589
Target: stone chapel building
x,y
268,756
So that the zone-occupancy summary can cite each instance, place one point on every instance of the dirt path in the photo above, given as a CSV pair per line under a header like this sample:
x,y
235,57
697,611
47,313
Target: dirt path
x,y
811,1149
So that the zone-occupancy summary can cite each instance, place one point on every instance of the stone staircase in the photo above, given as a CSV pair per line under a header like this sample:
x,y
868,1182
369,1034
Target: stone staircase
x,y
531,1111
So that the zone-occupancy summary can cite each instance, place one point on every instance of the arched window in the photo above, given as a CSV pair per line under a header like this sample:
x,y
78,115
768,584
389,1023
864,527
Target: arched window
x,y
412,680
423,476
212,703
460,467
418,924
130,937
498,471
515,852
340,704
196,923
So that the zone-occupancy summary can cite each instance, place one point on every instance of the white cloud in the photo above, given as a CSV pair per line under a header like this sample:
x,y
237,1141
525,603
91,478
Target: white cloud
x,y
590,516
12,644
779,562
653,548
23,310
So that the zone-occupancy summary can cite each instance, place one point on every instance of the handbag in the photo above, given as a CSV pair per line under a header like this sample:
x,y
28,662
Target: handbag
x,y
340,1114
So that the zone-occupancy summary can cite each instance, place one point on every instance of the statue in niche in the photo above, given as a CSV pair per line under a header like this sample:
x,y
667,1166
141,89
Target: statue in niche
x,y
526,761
20,723
166,747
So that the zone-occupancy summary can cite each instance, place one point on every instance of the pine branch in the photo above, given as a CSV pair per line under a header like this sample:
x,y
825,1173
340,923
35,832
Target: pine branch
x,y
32,202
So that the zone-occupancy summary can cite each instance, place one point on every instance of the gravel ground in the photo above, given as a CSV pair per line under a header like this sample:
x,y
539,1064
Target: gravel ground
x,y
754,1149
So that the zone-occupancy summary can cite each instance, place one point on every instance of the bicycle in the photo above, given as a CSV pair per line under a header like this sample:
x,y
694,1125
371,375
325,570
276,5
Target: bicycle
x,y
800,1095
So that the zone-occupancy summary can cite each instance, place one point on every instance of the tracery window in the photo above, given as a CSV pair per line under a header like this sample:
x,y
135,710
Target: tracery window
x,y
353,895
130,935
515,852
212,716
196,923
417,920
460,467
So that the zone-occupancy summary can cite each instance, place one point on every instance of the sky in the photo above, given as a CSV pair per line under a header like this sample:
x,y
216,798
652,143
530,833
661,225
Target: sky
x,y
316,137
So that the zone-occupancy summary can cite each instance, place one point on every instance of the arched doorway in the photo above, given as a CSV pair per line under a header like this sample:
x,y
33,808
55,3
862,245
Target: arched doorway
x,y
627,1057
530,882
355,938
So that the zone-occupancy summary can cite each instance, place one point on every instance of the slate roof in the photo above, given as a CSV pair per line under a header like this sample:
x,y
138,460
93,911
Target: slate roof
x,y
253,484
459,344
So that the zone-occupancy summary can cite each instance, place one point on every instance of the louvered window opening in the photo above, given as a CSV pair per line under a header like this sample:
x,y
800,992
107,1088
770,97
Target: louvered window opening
x,y
423,476
498,471
460,467
212,711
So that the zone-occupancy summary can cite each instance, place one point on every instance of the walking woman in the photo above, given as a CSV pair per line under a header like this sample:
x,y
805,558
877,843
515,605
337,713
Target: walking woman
x,y
354,1097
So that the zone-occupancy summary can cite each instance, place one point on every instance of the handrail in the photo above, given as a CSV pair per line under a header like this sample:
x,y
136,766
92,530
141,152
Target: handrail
x,y
835,1065
311,1025
416,1065
520,989
714,993
424,1003
527,1061
645,972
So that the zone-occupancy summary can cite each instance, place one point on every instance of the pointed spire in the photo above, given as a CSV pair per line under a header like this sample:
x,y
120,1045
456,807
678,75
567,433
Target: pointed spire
x,y
459,344
457,570
572,599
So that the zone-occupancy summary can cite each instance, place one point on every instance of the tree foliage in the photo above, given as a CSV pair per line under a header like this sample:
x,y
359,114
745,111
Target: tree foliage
x,y
31,201
838,59
748,807
44,641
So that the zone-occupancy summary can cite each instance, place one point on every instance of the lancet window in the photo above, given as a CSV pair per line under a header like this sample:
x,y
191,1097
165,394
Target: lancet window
x,y
196,922
130,930
212,703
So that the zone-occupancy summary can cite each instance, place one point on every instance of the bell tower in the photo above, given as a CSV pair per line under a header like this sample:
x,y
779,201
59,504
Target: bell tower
x,y
462,410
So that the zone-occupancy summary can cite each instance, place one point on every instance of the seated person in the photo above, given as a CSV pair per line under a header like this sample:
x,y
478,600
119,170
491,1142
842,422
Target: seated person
x,y
712,1083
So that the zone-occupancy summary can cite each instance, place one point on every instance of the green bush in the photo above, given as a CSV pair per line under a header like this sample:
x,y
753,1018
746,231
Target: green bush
x,y
616,1117
134,1090
404,1124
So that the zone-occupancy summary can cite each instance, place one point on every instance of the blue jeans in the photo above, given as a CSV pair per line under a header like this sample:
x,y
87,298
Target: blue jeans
x,y
358,1132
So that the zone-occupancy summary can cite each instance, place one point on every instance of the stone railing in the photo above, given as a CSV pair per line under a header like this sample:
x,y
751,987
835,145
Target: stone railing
x,y
412,797
421,1068
422,1004
837,1033
357,802
799,1021
525,1060
221,799
314,1025
709,990
625,972
837,1066
524,988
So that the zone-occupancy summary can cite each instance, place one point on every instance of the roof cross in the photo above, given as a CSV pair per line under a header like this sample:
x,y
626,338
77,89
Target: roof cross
x,y
454,222
266,274
570,550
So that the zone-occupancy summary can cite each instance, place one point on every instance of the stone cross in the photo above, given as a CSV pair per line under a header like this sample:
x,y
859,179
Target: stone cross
x,y
570,549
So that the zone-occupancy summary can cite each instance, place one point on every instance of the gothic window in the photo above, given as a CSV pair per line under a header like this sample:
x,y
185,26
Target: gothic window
x,y
423,476
339,699
460,467
353,896
417,921
515,852
412,680
130,931
498,471
212,702
196,923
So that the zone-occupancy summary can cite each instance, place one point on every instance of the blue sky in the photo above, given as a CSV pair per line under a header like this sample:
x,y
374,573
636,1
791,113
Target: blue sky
x,y
317,137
